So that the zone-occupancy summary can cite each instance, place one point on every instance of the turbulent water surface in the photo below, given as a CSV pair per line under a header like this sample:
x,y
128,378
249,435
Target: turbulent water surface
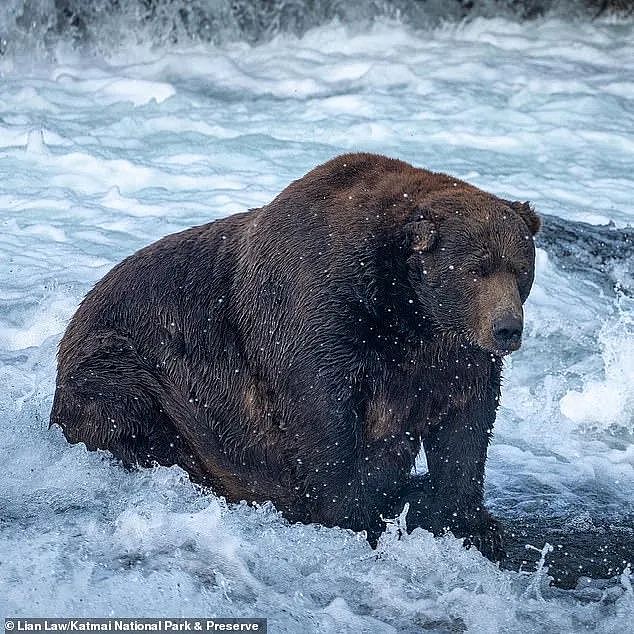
x,y
102,153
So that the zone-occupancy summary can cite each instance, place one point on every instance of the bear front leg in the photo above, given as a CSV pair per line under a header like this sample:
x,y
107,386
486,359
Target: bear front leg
x,y
451,495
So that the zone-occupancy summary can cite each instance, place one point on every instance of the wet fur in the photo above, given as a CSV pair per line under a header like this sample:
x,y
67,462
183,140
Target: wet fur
x,y
282,354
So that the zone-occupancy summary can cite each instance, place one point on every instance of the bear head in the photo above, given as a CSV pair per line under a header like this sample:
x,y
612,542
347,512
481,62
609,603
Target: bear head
x,y
471,263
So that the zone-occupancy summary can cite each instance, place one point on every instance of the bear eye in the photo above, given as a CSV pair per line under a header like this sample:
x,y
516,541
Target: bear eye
x,y
485,267
484,263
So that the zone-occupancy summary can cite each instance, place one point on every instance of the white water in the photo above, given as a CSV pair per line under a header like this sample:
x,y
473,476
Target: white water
x,y
98,158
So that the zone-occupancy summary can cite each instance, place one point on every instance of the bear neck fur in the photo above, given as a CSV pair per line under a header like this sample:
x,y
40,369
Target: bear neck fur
x,y
348,217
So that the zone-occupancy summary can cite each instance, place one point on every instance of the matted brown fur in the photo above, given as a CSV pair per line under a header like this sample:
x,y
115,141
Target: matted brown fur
x,y
302,352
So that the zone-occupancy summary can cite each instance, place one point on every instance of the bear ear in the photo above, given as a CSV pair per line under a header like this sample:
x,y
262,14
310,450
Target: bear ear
x,y
527,214
420,235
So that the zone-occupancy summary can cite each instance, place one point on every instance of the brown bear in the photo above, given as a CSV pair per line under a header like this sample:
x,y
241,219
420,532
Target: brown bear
x,y
302,352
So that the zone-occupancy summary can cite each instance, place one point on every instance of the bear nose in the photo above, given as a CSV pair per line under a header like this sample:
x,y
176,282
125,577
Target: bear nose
x,y
507,332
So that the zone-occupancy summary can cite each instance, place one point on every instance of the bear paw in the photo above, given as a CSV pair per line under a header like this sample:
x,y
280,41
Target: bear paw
x,y
488,538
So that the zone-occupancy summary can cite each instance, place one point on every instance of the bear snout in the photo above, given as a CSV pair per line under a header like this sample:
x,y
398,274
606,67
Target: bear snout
x,y
507,332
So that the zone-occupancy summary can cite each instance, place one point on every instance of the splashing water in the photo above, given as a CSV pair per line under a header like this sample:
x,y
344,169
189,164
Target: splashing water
x,y
102,153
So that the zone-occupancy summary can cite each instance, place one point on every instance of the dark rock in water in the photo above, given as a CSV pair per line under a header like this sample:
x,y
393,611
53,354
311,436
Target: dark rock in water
x,y
598,548
599,251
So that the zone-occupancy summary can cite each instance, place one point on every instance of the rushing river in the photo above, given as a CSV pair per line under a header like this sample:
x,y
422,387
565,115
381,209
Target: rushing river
x,y
107,149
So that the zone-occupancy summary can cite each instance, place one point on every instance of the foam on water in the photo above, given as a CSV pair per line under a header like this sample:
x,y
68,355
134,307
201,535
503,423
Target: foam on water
x,y
98,157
